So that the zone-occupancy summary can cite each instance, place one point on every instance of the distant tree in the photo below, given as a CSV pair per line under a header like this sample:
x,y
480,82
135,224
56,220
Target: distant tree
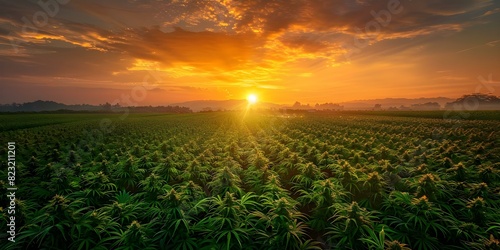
x,y
297,105
475,101
402,107
426,106
44,106
207,109
329,106
106,106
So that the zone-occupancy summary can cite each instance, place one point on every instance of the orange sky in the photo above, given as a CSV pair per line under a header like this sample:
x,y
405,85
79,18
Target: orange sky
x,y
312,51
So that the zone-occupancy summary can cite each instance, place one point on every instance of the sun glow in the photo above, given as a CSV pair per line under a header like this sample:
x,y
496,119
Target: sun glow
x,y
252,98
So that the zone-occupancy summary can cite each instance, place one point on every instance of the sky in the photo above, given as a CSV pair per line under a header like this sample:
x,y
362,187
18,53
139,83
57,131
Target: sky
x,y
156,52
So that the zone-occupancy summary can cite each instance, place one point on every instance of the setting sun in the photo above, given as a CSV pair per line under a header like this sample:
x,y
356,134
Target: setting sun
x,y
252,98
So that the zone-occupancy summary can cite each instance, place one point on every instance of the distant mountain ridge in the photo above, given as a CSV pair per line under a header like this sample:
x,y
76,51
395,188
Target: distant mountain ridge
x,y
394,102
51,106
214,105
473,101
38,106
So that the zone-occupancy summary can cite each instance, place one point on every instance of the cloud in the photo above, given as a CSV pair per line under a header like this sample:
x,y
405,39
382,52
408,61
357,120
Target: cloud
x,y
229,33
199,49
452,78
76,62
271,16
223,43
491,12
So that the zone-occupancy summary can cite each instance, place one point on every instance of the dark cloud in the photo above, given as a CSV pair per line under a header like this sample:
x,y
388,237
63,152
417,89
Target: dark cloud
x,y
138,26
344,16
64,62
200,49
223,41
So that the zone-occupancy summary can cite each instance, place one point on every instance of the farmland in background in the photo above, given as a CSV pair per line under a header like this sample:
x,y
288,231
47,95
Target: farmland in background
x,y
227,180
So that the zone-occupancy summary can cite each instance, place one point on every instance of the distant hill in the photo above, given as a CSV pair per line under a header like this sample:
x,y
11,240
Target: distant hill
x,y
50,106
38,106
470,102
420,103
387,103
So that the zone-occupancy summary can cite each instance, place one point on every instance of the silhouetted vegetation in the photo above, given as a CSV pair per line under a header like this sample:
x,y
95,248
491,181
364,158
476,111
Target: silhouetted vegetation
x,y
475,101
49,106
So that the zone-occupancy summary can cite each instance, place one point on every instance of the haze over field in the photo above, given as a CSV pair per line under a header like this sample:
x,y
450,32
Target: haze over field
x,y
313,51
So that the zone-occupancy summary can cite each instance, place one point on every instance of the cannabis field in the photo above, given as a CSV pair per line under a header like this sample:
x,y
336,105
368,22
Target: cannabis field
x,y
260,181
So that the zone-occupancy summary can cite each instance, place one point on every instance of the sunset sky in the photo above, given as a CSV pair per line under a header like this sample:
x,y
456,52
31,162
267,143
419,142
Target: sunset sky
x,y
312,51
